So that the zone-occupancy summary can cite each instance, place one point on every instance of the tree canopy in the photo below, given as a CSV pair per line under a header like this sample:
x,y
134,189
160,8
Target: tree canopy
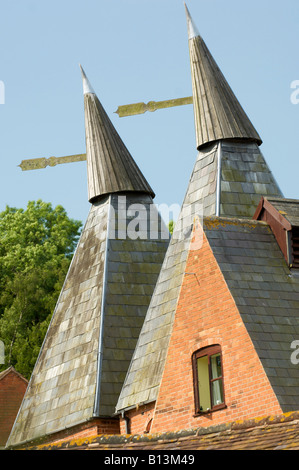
x,y
36,248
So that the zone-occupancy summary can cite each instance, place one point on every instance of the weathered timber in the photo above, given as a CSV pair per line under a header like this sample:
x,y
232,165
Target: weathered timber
x,y
40,163
151,106
110,166
217,112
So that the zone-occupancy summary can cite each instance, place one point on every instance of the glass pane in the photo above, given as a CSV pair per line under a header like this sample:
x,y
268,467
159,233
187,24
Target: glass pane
x,y
216,366
203,383
217,392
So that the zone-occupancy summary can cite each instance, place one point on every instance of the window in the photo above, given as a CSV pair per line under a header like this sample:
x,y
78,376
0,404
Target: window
x,y
208,379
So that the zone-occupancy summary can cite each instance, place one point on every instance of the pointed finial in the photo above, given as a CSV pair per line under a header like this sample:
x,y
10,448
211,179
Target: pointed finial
x,y
87,88
192,29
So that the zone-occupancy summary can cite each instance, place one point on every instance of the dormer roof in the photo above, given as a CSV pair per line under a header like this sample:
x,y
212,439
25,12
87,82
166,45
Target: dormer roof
x,y
283,217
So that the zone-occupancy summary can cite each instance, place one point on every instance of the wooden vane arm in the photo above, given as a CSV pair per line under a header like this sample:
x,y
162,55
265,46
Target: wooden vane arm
x,y
140,108
39,163
122,111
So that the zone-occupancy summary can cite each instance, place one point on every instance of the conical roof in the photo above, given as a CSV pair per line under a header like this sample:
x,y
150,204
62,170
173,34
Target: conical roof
x,y
217,112
97,320
110,166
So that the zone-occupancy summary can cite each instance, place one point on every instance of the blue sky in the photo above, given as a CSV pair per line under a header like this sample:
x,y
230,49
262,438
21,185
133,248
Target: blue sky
x,y
137,50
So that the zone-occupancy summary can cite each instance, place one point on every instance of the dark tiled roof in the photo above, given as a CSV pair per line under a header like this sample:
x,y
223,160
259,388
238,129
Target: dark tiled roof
x,y
289,208
268,433
266,293
245,175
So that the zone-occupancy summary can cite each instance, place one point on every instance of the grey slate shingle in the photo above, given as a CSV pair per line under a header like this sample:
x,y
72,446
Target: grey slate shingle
x,y
62,389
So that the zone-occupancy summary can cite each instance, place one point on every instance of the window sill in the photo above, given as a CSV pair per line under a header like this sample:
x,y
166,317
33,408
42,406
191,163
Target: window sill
x,y
202,413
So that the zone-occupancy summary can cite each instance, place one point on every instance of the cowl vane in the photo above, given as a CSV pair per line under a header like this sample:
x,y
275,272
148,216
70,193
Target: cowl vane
x,y
217,112
110,166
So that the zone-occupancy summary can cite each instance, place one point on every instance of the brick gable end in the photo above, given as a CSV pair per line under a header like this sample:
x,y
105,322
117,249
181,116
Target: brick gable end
x,y
12,390
207,314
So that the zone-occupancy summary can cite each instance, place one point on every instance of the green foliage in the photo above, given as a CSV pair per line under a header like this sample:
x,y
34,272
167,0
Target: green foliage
x,y
171,227
36,248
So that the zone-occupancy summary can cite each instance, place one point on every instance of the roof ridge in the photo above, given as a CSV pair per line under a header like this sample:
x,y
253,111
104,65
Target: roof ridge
x,y
12,369
115,439
282,199
233,220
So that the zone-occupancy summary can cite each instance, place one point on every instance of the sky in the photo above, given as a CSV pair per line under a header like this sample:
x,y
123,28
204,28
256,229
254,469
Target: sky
x,y
132,51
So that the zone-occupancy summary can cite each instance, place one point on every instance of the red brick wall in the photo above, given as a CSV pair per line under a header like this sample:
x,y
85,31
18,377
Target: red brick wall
x,y
91,428
80,432
140,420
12,390
206,314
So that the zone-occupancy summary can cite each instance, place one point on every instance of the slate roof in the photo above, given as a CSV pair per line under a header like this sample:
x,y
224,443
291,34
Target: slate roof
x,y
264,433
133,266
95,326
244,176
62,387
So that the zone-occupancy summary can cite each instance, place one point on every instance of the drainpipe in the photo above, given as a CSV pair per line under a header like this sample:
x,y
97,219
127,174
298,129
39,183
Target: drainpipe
x,y
218,188
127,422
96,410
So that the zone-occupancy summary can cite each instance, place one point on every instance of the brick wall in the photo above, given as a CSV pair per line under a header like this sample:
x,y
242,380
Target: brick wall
x,y
140,420
206,315
91,428
78,433
12,390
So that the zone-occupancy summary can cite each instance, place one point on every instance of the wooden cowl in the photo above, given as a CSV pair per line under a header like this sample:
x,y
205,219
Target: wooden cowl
x,y
110,167
217,112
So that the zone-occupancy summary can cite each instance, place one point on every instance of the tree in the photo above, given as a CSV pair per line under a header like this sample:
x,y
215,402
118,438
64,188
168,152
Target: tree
x,y
36,248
